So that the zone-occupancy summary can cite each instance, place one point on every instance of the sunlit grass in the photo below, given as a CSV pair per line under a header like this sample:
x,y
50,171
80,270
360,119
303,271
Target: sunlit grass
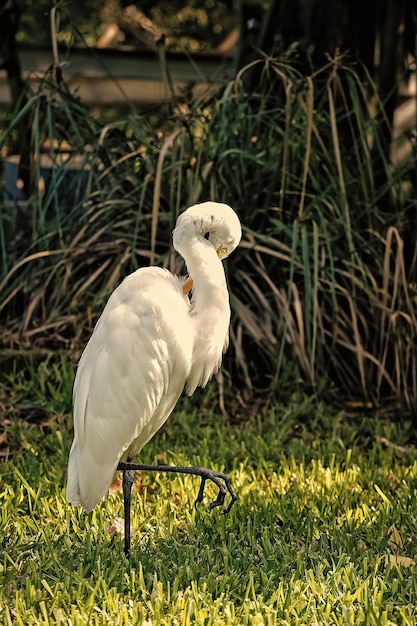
x,y
324,530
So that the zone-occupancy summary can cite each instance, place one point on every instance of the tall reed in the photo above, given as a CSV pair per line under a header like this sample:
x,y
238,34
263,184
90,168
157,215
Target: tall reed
x,y
324,288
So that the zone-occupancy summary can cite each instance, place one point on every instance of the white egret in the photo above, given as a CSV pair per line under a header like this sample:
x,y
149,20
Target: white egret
x,y
151,341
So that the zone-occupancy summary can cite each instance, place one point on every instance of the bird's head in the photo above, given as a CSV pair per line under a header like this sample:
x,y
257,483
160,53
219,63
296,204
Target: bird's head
x,y
213,221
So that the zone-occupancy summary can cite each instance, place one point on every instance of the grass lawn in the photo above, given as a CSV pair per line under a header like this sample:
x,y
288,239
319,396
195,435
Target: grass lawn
x,y
324,530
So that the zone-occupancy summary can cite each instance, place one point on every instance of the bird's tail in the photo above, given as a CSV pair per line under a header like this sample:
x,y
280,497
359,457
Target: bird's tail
x,y
73,484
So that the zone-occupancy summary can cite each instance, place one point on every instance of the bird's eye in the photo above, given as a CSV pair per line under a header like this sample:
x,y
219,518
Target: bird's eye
x,y
206,235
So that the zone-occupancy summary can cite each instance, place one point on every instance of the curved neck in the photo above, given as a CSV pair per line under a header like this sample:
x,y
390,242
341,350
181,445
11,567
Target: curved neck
x,y
206,271
209,311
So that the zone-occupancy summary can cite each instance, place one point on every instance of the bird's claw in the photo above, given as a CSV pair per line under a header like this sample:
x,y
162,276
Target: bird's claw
x,y
224,485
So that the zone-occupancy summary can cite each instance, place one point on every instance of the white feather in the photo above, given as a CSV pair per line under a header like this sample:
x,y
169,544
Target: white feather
x,y
150,342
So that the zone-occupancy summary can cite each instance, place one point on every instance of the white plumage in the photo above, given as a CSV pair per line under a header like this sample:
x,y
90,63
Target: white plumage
x,y
150,341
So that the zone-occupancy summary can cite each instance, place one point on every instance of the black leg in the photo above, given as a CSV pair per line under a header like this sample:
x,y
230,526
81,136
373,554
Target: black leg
x,y
127,484
222,481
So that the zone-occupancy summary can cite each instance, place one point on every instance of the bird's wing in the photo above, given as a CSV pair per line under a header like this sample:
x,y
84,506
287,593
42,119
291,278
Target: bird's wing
x,y
129,378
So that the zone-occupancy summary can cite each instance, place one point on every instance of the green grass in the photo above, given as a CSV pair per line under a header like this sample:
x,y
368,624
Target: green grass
x,y
324,530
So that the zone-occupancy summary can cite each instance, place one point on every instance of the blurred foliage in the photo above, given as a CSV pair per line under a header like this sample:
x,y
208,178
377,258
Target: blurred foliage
x,y
196,25
193,25
76,16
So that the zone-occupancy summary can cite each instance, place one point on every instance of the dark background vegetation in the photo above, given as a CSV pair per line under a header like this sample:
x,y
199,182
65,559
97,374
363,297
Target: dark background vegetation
x,y
300,141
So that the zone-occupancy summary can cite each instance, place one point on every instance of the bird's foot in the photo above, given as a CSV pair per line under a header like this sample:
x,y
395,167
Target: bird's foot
x,y
222,481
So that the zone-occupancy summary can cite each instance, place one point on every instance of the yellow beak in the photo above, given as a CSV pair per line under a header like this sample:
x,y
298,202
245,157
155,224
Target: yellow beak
x,y
187,286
